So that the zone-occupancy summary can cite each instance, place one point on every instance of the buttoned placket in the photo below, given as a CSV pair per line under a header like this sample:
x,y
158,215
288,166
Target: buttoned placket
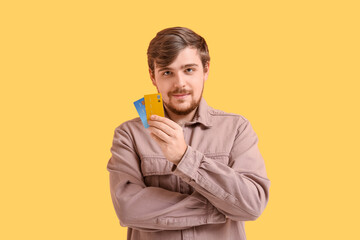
x,y
182,188
187,234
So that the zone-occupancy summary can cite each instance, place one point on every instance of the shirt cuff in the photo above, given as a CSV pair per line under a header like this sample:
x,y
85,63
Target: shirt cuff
x,y
189,164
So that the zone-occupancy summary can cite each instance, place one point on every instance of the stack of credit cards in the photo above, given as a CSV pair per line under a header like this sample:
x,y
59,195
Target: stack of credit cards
x,y
151,104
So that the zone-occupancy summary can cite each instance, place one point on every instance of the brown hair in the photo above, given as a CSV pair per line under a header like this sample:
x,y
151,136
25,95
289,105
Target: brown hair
x,y
166,45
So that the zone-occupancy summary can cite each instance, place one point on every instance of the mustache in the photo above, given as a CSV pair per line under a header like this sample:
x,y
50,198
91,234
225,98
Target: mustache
x,y
181,91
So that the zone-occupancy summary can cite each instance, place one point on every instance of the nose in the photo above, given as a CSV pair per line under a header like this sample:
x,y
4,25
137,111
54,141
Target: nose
x,y
180,80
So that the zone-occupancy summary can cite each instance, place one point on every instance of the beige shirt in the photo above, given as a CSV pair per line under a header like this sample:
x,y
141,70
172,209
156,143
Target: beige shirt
x,y
219,183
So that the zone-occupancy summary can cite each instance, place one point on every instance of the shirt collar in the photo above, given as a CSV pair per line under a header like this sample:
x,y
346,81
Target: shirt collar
x,y
202,114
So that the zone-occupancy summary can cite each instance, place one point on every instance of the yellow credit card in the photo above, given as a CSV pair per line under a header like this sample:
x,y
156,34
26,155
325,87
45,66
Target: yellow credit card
x,y
154,105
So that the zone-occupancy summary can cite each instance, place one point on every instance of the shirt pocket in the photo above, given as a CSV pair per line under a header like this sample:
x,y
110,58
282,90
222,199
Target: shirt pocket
x,y
156,171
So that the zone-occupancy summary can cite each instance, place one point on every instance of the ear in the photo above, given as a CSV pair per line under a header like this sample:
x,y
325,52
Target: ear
x,y
206,70
152,76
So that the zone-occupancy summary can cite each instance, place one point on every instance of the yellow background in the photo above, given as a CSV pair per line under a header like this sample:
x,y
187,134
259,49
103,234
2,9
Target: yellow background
x,y
70,71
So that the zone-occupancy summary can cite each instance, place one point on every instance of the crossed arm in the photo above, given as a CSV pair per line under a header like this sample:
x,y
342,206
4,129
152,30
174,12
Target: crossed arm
x,y
238,191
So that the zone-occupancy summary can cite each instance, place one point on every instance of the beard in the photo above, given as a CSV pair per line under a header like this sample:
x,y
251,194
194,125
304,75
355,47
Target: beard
x,y
183,111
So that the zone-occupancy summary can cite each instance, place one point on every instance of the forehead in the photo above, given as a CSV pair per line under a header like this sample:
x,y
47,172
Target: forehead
x,y
187,56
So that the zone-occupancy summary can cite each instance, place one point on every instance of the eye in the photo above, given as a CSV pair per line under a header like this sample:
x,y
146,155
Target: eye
x,y
166,73
189,70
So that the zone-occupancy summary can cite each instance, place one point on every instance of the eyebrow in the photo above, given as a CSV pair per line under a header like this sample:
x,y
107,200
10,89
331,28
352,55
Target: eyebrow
x,y
182,67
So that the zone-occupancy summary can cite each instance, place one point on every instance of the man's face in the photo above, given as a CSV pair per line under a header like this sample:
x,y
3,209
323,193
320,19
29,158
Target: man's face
x,y
182,82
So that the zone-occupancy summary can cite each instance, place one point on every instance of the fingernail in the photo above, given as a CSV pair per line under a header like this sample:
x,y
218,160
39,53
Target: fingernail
x,y
152,117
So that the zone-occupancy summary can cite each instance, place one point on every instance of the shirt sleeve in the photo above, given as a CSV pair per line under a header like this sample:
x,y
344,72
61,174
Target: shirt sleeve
x,y
151,208
240,189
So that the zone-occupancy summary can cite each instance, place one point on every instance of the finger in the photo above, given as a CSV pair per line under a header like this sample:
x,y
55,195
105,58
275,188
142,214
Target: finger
x,y
158,140
162,126
165,120
159,134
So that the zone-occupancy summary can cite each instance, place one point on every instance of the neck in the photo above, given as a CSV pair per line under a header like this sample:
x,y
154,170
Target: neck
x,y
181,119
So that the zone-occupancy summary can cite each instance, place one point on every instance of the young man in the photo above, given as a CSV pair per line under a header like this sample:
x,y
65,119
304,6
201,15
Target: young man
x,y
196,173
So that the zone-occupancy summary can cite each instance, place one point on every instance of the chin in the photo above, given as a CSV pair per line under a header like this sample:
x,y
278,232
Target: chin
x,y
184,108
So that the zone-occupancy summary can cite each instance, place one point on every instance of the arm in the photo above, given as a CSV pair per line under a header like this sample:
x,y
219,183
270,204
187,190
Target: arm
x,y
151,208
240,190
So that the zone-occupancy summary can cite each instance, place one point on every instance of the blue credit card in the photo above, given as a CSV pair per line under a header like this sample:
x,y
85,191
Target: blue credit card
x,y
140,108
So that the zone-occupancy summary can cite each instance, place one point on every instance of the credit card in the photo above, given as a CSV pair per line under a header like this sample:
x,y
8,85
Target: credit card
x,y
140,108
154,105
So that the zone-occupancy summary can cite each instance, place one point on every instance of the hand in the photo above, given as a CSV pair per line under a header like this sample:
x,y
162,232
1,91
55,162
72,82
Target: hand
x,y
169,135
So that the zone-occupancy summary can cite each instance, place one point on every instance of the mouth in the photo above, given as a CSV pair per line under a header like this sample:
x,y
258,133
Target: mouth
x,y
180,96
